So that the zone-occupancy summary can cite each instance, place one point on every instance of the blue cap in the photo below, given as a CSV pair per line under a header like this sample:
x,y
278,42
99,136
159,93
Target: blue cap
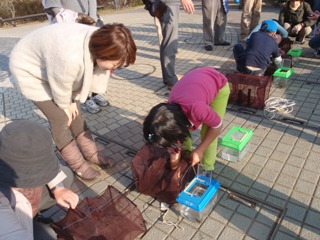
x,y
271,25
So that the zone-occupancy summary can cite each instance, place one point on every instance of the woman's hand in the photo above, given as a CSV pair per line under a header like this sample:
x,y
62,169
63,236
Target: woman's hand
x,y
296,28
314,16
72,112
65,197
188,6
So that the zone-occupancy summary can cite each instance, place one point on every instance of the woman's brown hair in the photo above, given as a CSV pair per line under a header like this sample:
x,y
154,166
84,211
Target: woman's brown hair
x,y
113,42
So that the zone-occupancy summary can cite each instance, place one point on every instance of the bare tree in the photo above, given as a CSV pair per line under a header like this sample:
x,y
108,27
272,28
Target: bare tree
x,y
8,7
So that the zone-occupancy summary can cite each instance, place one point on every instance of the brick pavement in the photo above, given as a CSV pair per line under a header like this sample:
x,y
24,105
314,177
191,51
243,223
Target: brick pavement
x,y
280,172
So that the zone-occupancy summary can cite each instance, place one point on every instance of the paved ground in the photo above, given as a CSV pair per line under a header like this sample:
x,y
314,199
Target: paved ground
x,y
280,173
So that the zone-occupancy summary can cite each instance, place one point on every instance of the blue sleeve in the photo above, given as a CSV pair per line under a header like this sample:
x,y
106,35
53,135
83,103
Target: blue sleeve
x,y
282,31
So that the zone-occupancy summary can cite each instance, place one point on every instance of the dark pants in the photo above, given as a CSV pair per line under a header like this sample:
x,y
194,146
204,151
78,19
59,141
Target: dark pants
x,y
169,45
315,42
62,134
240,57
41,230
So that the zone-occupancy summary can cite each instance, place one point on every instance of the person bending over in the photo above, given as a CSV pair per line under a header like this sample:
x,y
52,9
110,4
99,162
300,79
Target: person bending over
x,y
256,57
56,67
199,98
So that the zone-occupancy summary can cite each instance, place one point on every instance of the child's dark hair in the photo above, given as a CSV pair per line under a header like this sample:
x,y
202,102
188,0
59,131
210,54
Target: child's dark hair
x,y
166,125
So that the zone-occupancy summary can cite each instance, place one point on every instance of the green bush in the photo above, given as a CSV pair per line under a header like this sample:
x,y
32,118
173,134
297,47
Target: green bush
x,y
17,8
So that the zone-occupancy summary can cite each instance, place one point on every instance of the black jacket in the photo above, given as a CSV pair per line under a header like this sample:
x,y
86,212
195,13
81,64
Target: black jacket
x,y
293,17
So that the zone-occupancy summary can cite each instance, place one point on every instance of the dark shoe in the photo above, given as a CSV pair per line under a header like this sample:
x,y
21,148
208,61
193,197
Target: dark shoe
x,y
170,87
165,82
208,48
298,42
222,44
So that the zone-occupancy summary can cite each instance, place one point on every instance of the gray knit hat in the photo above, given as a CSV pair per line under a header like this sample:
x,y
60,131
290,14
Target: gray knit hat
x,y
27,158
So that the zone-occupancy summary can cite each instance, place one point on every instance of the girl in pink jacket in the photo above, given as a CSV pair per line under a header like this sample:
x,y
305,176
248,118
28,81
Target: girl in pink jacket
x,y
199,98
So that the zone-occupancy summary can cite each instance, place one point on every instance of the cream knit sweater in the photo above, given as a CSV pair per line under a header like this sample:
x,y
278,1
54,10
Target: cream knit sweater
x,y
54,62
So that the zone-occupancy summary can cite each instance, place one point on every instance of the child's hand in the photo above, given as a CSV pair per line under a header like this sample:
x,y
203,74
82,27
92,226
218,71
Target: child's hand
x,y
196,157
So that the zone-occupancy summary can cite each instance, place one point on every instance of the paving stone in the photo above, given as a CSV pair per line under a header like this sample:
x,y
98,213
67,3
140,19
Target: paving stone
x,y
282,236
302,199
284,148
230,233
281,191
257,194
259,231
212,228
279,156
305,187
186,233
154,233
295,211
202,236
310,233
238,221
221,214
261,156
276,201
263,185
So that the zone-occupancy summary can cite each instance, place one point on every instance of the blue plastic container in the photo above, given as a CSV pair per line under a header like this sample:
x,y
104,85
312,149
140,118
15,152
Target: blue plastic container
x,y
198,198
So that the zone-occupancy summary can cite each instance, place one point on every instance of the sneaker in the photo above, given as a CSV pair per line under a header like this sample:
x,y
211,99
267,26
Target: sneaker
x,y
100,100
90,106
316,53
164,206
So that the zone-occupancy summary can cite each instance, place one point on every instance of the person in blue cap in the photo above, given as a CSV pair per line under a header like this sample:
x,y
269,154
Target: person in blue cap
x,y
255,58
281,32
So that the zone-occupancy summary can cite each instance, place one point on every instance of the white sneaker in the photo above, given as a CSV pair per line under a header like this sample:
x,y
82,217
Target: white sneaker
x,y
90,106
100,100
164,206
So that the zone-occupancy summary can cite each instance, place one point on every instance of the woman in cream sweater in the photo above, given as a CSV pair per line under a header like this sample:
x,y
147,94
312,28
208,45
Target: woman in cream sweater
x,y
56,67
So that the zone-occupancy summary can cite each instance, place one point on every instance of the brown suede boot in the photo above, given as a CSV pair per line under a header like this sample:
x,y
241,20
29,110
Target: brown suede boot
x,y
72,155
90,151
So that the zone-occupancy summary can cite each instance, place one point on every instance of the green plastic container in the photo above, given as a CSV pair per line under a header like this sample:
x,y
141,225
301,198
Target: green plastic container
x,y
283,72
295,52
234,145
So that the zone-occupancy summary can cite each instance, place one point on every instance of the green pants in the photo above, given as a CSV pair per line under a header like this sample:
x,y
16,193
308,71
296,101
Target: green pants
x,y
219,105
